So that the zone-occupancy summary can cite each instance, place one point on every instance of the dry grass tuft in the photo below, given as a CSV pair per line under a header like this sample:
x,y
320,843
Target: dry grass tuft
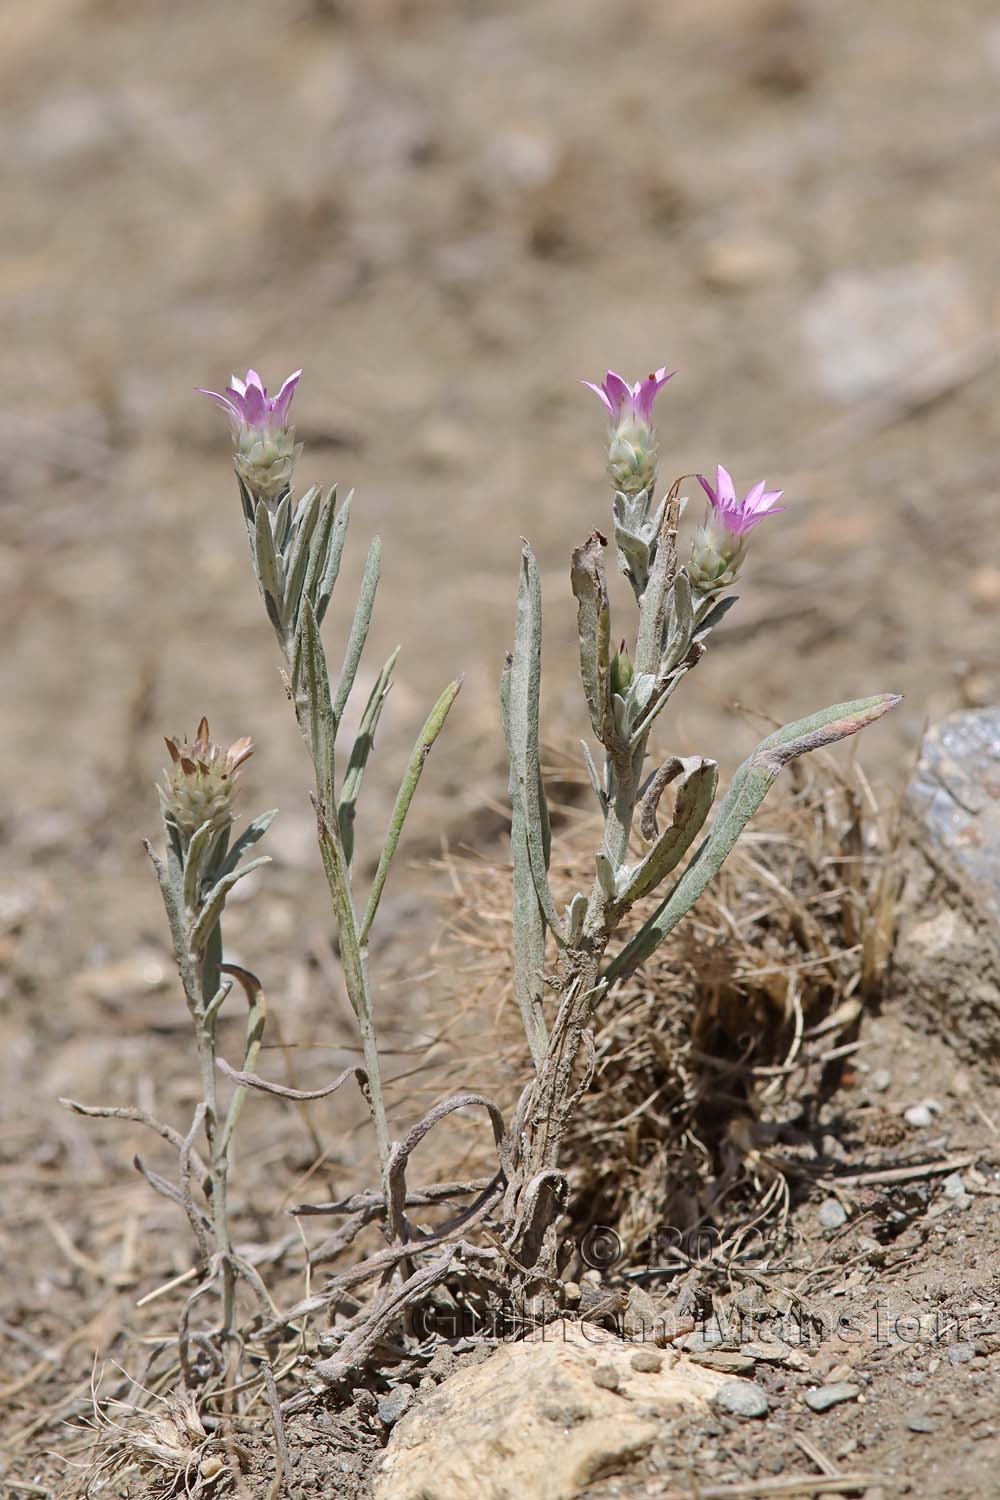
x,y
725,1046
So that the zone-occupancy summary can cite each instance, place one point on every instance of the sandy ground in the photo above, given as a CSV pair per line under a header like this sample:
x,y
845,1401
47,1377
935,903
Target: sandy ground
x,y
449,213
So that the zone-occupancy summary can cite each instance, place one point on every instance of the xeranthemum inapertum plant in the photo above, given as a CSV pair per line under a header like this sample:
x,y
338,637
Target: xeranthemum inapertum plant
x,y
501,1242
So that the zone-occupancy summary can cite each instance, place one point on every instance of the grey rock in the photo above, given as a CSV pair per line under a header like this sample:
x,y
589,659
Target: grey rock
x,y
832,1214
960,1354
607,1377
947,958
646,1361
741,1398
918,1422
881,1079
831,1395
392,1406
867,330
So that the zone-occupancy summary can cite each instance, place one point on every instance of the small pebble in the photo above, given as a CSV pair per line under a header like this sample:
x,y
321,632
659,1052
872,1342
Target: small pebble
x,y
831,1395
960,1354
606,1376
881,1079
917,1422
919,1116
954,1188
392,1406
741,1398
832,1214
646,1362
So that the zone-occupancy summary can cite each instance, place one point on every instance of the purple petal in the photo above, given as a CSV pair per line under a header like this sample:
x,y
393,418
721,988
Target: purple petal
x,y
254,405
751,500
618,392
724,486
712,496
598,390
646,391
283,399
253,379
222,400
238,385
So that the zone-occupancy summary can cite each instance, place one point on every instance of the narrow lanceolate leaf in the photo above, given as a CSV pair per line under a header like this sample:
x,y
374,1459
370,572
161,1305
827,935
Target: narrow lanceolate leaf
x,y
662,580
525,686
712,613
360,751
215,900
593,619
306,516
194,864
268,567
529,924
328,564
748,790
595,780
251,835
279,526
692,805
414,769
679,625
317,718
256,1020
359,629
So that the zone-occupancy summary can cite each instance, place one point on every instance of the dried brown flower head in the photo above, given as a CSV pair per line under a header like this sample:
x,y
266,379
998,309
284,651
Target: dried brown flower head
x,y
200,784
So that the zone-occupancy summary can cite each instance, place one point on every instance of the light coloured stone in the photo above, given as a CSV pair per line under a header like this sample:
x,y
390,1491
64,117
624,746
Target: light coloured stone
x,y
530,1420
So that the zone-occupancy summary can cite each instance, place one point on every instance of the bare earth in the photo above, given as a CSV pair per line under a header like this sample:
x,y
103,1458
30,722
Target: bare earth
x,y
449,213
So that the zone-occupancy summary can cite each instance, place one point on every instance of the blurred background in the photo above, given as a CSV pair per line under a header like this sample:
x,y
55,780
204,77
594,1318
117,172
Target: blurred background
x,y
450,212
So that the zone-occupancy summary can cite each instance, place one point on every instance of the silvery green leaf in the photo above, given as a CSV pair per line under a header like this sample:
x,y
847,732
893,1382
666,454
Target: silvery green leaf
x,y
575,913
360,751
215,900
246,501
279,522
633,558
595,780
256,1021
195,864
297,561
529,924
411,776
312,697
639,694
268,567
695,795
593,618
359,629
748,790
606,875
328,562
654,600
251,835
710,613
680,622
525,685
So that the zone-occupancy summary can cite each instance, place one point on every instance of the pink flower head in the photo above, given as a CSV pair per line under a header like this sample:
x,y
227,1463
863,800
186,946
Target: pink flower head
x,y
249,405
739,517
630,401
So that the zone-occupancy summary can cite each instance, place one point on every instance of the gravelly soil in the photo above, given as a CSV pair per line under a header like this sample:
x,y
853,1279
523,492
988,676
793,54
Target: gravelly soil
x,y
448,213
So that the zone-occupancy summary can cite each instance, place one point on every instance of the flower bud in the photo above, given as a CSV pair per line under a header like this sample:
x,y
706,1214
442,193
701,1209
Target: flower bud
x,y
265,448
200,783
720,545
716,557
632,447
622,671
